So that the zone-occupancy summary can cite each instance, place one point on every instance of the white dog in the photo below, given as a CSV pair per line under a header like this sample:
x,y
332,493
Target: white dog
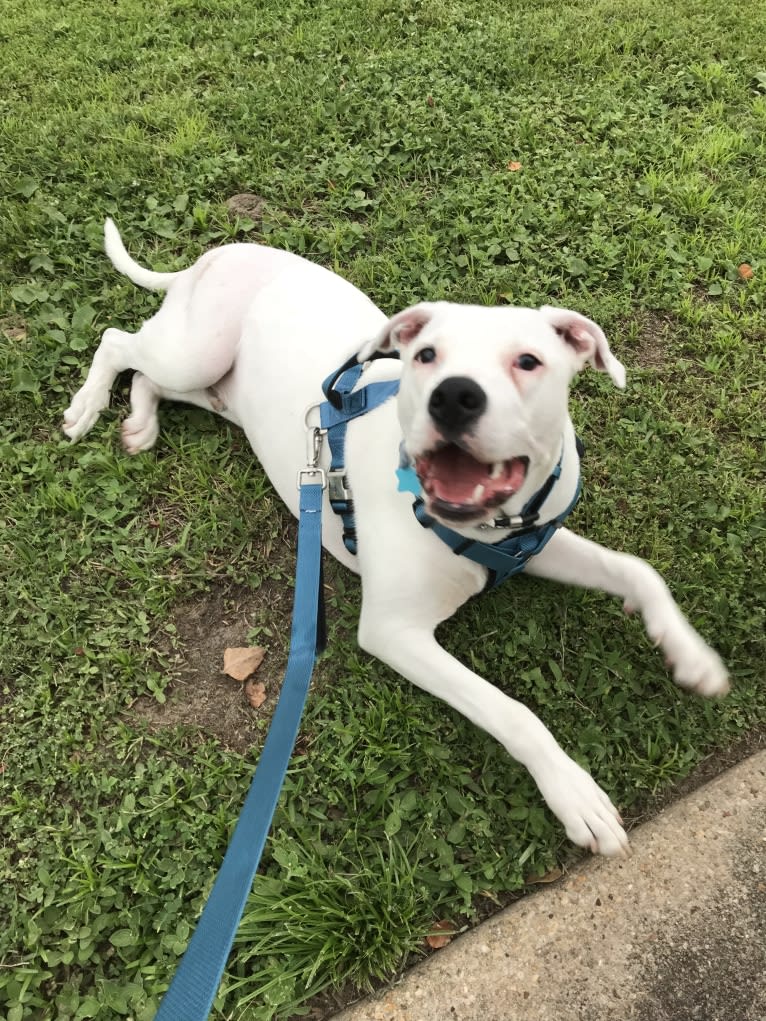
x,y
481,415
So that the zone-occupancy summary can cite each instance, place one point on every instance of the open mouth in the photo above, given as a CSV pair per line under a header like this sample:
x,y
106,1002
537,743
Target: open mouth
x,y
460,487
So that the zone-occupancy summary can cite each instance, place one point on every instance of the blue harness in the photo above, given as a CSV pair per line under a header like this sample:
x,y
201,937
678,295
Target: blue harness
x,y
502,559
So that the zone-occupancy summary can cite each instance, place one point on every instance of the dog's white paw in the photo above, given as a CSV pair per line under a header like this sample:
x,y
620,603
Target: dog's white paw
x,y
140,432
588,816
695,665
81,415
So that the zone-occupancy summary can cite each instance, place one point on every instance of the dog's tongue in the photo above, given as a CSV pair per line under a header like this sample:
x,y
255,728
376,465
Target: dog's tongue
x,y
454,476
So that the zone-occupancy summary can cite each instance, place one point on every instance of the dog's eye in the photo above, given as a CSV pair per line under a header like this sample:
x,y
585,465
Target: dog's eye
x,y
527,363
425,355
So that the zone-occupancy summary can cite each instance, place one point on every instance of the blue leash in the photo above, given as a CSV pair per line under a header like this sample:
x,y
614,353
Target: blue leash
x,y
192,991
195,983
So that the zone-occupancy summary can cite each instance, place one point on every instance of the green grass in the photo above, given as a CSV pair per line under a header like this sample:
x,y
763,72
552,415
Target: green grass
x,y
379,135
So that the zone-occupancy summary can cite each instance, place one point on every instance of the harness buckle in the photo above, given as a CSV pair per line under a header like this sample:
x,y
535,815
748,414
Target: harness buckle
x,y
513,522
338,486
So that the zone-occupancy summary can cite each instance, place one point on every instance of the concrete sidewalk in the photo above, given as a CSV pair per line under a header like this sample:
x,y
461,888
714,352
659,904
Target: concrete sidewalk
x,y
675,933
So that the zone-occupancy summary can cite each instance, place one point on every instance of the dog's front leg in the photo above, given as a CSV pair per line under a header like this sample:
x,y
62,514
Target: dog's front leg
x,y
586,812
570,558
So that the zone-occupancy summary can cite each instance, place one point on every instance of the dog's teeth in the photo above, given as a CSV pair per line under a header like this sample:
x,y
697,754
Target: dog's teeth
x,y
478,493
497,470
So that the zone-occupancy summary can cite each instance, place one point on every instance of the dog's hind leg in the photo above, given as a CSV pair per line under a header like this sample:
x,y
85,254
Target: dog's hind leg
x,y
113,356
141,428
177,357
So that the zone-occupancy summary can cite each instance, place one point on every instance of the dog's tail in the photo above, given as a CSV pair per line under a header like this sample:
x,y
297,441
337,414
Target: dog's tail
x,y
122,262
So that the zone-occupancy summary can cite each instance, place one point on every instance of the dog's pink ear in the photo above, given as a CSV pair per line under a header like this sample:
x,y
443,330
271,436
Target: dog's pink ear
x,y
587,339
400,330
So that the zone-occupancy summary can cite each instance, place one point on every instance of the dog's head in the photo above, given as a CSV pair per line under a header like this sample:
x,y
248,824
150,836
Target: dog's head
x,y
483,398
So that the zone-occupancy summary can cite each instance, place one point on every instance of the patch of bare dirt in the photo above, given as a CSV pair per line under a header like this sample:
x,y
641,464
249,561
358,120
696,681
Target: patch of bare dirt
x,y
201,695
247,205
650,351
14,327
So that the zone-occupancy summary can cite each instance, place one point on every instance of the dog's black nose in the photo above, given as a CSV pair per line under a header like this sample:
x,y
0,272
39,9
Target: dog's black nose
x,y
456,403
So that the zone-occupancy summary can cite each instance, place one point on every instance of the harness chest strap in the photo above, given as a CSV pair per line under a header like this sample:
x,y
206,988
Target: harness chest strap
x,y
505,558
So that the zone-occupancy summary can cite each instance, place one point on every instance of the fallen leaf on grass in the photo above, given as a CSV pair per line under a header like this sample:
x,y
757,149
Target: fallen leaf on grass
x,y
255,693
549,877
745,271
14,332
441,934
239,663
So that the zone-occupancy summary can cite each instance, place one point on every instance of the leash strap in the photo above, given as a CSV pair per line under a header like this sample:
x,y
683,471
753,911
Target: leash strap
x,y
192,991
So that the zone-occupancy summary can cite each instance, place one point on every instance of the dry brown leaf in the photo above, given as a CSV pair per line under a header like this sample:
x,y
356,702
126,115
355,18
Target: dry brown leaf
x,y
255,693
513,166
745,271
239,663
441,934
549,877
